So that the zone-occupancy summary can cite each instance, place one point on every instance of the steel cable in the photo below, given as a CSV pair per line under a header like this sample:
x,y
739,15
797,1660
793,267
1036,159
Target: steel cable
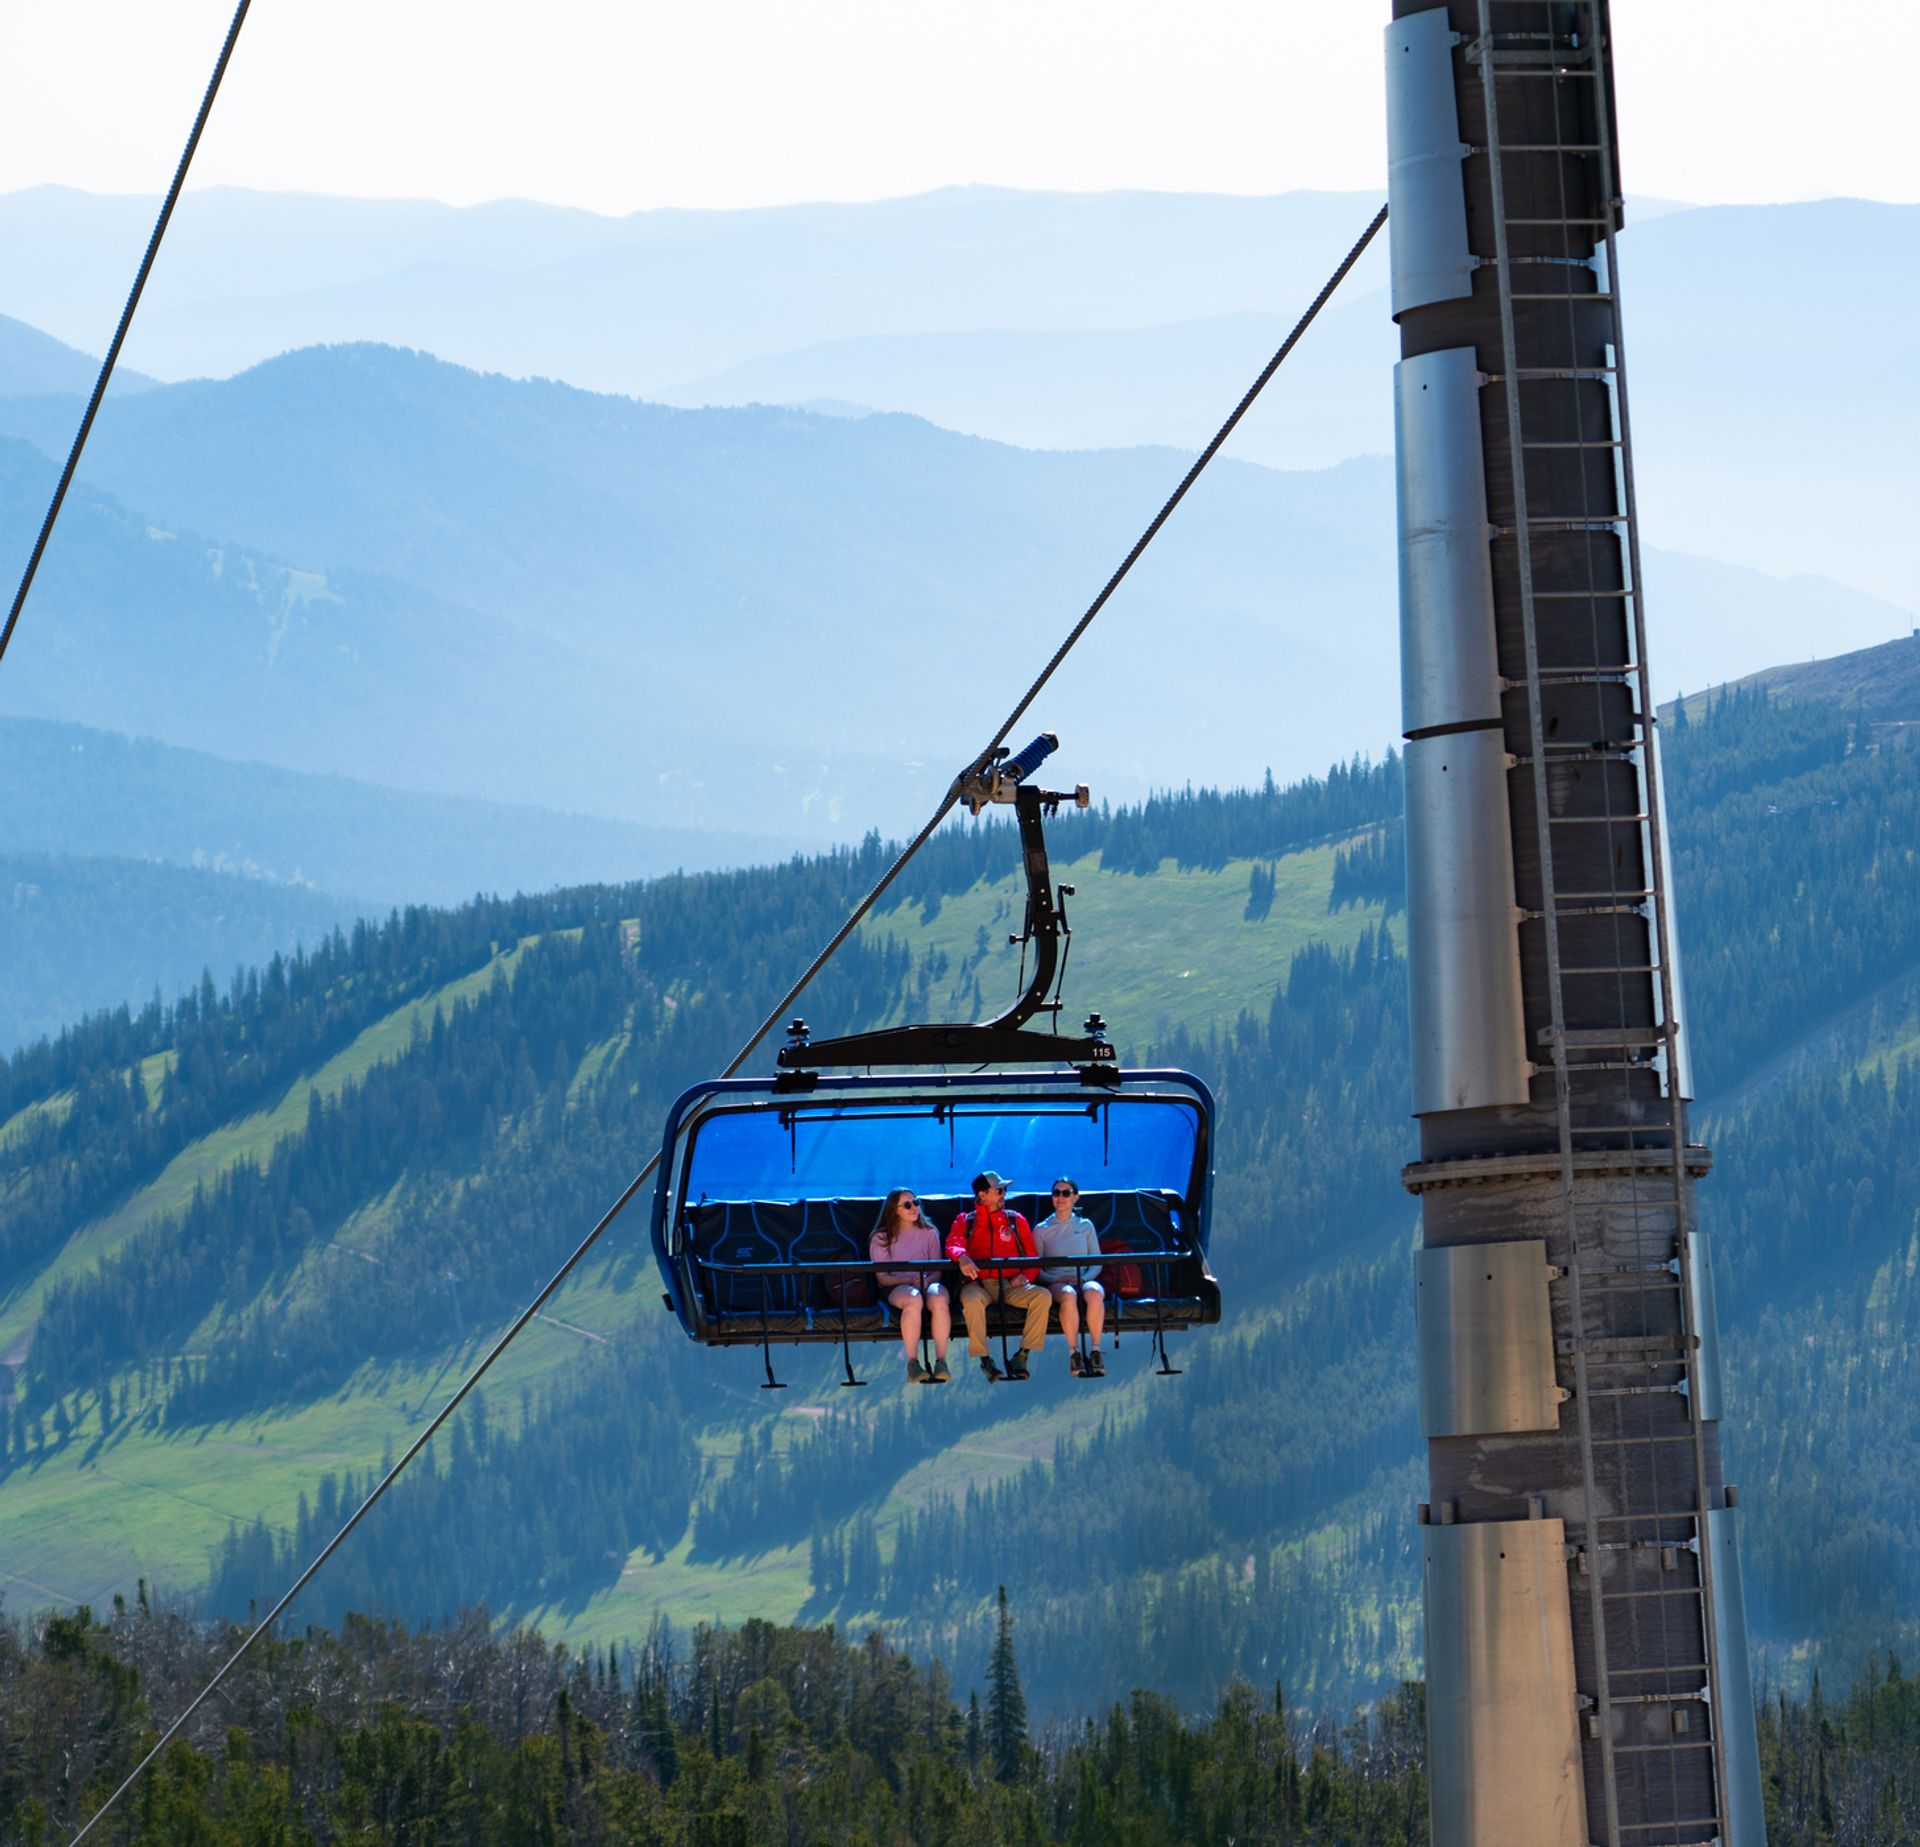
x,y
126,321
779,1011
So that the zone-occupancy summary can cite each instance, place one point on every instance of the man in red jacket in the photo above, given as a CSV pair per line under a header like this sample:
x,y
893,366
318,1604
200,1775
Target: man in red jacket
x,y
981,1242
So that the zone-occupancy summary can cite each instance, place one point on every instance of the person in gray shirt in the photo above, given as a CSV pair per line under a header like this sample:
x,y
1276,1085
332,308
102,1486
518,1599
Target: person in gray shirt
x,y
1066,1234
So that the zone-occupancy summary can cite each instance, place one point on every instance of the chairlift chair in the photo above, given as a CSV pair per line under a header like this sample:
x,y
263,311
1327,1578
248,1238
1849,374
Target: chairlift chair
x,y
770,1188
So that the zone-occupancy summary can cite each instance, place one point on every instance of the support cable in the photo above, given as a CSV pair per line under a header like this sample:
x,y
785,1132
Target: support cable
x,y
126,321
779,1012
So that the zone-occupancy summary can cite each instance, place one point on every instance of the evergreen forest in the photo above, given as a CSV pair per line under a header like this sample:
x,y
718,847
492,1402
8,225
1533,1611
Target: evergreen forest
x,y
292,1203
761,1737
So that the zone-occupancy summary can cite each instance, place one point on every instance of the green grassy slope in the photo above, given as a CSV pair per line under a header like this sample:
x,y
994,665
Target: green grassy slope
x,y
1149,953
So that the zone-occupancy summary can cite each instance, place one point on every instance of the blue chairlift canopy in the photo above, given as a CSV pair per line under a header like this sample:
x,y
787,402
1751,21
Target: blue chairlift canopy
x,y
767,1197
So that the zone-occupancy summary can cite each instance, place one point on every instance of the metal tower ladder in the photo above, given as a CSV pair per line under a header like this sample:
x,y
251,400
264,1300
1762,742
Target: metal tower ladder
x,y
1643,1568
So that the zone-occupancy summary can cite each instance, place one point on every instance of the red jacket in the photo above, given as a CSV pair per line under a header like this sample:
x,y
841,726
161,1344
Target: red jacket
x,y
1005,1234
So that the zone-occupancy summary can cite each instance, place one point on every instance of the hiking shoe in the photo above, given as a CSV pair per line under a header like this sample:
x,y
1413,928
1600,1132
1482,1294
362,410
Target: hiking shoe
x,y
1017,1366
916,1373
1076,1366
940,1375
993,1372
1096,1364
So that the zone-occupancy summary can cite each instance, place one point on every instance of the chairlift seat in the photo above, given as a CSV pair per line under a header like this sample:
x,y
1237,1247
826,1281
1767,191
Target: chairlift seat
x,y
764,1194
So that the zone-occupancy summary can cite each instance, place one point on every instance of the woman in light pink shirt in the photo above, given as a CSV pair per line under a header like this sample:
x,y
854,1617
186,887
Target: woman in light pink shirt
x,y
906,1237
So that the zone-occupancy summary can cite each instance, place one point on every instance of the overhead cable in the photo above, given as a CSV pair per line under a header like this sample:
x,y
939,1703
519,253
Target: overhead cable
x,y
126,321
778,1013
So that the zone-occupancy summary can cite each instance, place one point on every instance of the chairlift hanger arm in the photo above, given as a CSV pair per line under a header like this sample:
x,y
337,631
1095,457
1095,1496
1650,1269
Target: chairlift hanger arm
x,y
1003,1040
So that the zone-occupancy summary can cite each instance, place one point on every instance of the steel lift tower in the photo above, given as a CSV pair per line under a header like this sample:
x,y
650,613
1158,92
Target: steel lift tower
x,y
1587,1675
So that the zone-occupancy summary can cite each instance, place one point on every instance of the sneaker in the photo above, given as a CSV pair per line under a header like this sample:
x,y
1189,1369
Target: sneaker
x,y
1076,1366
993,1372
940,1375
916,1373
1017,1366
1096,1364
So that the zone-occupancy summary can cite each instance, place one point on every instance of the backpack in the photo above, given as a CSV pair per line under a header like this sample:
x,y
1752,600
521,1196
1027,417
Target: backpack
x,y
1026,1250
1121,1278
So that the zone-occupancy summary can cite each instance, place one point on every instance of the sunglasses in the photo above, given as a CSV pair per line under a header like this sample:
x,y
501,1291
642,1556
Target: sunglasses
x,y
909,1204
1063,1192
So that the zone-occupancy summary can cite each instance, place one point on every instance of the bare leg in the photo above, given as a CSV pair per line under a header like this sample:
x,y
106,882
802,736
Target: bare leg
x,y
1096,1312
1067,1301
942,1313
910,1311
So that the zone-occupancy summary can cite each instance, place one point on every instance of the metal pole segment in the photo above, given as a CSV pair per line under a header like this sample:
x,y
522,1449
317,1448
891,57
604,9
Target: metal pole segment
x,y
1505,204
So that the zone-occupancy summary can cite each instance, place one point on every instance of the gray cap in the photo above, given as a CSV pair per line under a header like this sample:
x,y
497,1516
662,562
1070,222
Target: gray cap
x,y
982,1182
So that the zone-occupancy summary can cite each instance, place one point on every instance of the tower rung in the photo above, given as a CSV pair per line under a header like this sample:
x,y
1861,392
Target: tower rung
x,y
1595,820
1540,147
1550,522
1576,753
1557,295
1610,442
1604,1038
1529,54
1626,1349
1560,372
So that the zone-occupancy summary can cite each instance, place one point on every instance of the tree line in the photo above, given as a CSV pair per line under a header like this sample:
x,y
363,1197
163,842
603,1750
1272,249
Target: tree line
x,y
764,1737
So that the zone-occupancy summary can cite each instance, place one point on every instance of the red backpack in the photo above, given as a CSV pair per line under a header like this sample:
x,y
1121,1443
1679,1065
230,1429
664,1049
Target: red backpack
x,y
1121,1278
1023,1255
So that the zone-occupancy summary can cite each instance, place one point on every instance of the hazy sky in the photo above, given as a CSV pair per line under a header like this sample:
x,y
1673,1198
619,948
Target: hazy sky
x,y
749,102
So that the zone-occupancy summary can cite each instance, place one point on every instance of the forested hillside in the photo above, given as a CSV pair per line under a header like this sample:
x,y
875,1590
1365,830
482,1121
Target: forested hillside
x,y
259,1229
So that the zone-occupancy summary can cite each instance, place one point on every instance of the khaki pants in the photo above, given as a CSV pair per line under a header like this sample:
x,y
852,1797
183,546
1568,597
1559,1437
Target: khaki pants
x,y
1014,1290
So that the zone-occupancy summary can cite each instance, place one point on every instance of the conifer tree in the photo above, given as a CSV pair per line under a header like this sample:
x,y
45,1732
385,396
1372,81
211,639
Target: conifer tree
x,y
1006,1703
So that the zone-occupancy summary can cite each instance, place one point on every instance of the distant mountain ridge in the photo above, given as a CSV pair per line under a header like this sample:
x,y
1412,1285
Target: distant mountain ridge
x,y
625,304
83,934
77,790
1881,684
1718,451
754,620
32,363
1771,404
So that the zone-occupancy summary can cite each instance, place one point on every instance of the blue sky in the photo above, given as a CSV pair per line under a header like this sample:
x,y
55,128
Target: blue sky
x,y
751,102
